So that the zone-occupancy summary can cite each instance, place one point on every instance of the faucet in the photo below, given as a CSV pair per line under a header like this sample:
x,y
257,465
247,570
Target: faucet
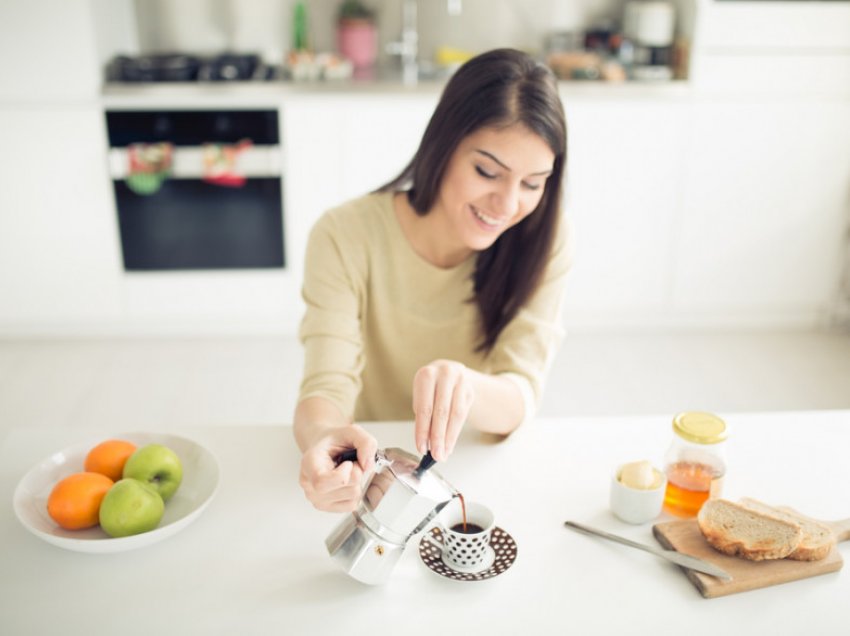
x,y
408,46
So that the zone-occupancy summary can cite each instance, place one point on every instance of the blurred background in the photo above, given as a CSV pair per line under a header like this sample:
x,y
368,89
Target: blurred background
x,y
163,162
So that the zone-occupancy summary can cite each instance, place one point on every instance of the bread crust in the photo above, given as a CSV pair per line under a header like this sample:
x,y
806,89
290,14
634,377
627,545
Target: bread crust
x,y
738,531
817,539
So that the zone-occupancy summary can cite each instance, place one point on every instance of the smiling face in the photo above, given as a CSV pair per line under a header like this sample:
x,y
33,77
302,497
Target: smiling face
x,y
495,178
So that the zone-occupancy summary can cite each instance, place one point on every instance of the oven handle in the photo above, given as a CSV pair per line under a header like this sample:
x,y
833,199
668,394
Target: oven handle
x,y
187,162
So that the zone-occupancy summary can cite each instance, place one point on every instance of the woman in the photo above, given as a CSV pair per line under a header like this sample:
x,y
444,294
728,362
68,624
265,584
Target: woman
x,y
439,295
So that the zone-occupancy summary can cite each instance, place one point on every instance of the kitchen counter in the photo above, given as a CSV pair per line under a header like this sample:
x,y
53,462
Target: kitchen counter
x,y
280,91
254,562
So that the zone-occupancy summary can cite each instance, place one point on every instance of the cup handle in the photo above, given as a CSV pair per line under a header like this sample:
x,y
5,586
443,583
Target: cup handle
x,y
434,542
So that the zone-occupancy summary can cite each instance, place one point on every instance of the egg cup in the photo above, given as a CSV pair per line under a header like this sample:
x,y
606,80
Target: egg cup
x,y
636,505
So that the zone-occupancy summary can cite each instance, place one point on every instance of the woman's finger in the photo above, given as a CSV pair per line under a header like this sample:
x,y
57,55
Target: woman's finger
x,y
461,403
366,446
424,384
345,474
442,409
350,494
345,505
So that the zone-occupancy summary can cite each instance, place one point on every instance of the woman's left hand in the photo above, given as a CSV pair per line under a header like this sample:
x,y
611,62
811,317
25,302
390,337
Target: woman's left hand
x,y
442,397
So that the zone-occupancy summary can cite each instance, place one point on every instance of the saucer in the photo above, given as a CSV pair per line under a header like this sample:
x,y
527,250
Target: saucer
x,y
503,551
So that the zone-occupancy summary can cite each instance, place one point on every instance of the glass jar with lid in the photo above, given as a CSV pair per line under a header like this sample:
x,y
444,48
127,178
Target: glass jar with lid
x,y
695,463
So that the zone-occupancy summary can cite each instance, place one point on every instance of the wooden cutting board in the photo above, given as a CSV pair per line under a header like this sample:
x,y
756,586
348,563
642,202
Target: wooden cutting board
x,y
684,536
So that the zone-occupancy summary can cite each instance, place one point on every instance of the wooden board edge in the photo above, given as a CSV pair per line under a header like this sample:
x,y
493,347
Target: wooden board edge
x,y
692,576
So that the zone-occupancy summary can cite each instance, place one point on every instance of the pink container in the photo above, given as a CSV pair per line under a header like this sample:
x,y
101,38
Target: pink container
x,y
358,41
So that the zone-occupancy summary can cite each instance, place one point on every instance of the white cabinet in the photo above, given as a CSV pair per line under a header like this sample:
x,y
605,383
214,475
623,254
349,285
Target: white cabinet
x,y
48,49
310,134
342,146
706,210
379,136
764,209
59,255
781,48
624,168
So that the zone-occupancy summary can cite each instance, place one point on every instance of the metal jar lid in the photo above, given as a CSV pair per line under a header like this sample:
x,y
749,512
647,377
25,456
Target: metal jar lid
x,y
700,428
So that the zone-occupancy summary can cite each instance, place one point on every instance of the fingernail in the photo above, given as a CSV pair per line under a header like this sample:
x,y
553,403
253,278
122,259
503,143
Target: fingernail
x,y
437,452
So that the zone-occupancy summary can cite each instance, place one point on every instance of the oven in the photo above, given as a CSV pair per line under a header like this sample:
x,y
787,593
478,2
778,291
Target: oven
x,y
197,189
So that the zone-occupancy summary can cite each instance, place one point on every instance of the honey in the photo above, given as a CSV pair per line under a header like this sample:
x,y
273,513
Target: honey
x,y
689,485
694,463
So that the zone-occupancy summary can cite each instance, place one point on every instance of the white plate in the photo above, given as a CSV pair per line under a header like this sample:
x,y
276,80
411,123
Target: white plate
x,y
200,482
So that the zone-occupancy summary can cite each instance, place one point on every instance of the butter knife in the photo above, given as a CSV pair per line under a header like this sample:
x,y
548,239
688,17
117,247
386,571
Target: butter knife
x,y
685,560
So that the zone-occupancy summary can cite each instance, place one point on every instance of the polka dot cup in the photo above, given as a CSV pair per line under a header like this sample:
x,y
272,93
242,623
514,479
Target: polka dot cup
x,y
470,550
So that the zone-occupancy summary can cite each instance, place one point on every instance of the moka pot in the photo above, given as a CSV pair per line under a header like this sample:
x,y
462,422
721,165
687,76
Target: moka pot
x,y
401,497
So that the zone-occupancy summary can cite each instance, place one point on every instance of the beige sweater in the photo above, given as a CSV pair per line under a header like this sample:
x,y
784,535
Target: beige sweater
x,y
377,312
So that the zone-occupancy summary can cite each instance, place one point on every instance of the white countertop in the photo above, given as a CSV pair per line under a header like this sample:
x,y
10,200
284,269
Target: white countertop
x,y
255,562
210,94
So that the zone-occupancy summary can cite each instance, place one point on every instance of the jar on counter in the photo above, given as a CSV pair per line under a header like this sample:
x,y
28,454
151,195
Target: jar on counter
x,y
695,463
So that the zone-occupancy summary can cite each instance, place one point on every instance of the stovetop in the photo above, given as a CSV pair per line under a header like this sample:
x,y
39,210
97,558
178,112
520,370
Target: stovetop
x,y
180,67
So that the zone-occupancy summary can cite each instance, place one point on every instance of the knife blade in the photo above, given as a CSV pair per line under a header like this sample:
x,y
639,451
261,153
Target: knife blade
x,y
684,560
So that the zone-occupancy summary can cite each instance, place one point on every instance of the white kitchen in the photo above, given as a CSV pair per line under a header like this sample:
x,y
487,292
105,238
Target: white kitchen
x,y
707,192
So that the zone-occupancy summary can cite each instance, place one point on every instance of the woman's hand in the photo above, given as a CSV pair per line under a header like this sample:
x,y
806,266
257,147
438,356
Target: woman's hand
x,y
442,397
331,487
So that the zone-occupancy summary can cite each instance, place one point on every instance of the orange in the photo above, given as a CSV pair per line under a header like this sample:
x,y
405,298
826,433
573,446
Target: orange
x,y
108,458
74,502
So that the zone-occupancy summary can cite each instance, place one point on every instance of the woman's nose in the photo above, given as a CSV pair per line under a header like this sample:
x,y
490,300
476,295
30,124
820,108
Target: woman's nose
x,y
507,200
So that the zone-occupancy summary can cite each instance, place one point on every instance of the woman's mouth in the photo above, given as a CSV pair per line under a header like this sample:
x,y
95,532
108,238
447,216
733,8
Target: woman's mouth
x,y
487,220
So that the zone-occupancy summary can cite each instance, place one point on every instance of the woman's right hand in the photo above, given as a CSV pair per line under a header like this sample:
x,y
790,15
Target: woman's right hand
x,y
331,487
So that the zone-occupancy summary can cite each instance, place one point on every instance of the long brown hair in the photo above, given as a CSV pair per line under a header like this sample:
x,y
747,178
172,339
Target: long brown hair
x,y
496,89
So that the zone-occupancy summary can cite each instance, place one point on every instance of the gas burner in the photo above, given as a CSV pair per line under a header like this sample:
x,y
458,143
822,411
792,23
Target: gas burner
x,y
163,67
178,67
229,68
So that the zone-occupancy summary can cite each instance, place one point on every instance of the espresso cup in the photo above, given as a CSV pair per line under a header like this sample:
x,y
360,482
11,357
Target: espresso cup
x,y
465,549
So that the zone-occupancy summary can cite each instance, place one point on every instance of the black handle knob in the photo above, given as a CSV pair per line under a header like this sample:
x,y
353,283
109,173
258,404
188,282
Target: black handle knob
x,y
426,463
346,456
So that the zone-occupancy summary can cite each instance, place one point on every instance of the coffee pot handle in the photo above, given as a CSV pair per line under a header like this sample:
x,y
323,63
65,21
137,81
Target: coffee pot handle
x,y
349,455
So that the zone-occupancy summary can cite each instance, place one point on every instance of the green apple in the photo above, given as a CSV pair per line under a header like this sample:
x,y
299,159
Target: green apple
x,y
158,466
130,507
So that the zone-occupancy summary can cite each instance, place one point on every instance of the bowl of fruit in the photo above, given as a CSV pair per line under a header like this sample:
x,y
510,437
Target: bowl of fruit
x,y
117,494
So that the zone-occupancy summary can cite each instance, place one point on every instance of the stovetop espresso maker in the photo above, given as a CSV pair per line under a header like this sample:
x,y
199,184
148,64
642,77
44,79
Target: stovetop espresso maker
x,y
399,500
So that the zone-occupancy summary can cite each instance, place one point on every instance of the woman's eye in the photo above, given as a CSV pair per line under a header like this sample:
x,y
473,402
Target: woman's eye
x,y
531,186
484,173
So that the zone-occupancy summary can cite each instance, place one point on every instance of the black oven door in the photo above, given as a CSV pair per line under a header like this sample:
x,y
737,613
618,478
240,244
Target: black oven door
x,y
188,219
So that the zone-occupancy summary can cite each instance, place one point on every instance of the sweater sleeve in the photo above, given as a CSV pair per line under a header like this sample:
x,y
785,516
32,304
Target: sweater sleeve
x,y
330,330
527,346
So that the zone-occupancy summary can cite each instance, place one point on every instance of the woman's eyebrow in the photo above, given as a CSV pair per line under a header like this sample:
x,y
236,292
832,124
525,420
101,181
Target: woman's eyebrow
x,y
496,159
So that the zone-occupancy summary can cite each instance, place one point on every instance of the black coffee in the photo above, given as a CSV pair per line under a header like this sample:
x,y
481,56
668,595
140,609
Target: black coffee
x,y
469,528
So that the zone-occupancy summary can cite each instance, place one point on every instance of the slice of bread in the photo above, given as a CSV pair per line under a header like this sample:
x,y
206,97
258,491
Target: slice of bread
x,y
817,540
739,531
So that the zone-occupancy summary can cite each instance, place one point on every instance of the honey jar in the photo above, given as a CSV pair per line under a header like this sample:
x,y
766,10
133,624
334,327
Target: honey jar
x,y
695,463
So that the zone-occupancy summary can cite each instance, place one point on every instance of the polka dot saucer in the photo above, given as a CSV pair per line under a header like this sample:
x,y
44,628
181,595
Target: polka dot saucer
x,y
504,552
